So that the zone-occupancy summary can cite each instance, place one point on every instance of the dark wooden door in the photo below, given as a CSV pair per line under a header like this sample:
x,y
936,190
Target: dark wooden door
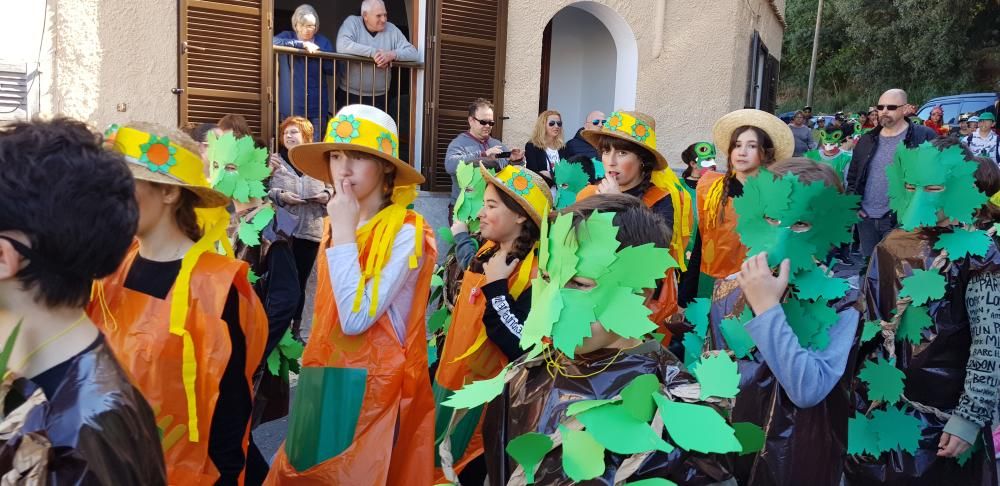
x,y
466,55
224,60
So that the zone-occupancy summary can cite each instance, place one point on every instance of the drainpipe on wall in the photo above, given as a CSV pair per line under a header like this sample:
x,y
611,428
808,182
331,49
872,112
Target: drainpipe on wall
x,y
661,12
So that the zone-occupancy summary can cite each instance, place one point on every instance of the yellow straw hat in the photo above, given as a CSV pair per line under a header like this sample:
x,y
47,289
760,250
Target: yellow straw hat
x,y
631,126
781,135
524,186
359,128
158,154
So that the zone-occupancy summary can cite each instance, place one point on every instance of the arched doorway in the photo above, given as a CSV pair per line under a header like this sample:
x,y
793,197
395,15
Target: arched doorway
x,y
589,62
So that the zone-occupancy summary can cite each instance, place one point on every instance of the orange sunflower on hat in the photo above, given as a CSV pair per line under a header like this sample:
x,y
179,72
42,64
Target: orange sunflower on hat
x,y
521,183
344,129
386,144
157,154
640,130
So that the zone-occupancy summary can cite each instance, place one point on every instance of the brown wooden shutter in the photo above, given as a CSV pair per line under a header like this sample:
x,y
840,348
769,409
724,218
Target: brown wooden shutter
x,y
465,60
224,61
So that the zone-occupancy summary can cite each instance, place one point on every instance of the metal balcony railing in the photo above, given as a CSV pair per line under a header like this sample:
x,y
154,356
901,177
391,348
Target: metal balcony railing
x,y
297,73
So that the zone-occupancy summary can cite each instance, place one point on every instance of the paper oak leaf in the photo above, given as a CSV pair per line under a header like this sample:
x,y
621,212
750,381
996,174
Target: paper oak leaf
x,y
718,377
617,430
529,450
751,437
697,427
697,314
964,242
637,396
814,284
923,286
872,328
737,338
913,323
582,455
478,392
896,430
861,437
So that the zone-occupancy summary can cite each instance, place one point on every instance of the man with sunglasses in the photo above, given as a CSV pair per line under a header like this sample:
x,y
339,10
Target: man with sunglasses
x,y
578,145
476,143
872,155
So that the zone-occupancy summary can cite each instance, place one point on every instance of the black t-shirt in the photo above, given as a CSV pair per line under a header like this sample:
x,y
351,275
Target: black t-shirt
x,y
50,379
664,208
233,408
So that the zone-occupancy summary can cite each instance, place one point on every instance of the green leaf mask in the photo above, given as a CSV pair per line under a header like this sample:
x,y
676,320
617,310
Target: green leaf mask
x,y
789,219
590,251
925,182
237,167
705,154
570,179
471,187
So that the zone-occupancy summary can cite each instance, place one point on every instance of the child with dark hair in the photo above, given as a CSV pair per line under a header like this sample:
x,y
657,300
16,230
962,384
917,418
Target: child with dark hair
x,y
182,319
593,378
67,216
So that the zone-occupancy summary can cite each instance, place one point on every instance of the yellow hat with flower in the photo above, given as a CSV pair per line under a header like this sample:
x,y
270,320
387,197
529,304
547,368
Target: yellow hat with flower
x,y
527,188
161,155
631,126
359,128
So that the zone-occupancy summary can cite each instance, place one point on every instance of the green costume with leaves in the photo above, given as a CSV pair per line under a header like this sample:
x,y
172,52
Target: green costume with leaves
x,y
917,338
559,418
829,152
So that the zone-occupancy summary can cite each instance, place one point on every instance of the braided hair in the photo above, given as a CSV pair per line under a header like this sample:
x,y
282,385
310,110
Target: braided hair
x,y
521,246
765,149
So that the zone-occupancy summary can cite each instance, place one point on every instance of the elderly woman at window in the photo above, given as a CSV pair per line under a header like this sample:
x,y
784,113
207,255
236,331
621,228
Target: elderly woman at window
x,y
302,80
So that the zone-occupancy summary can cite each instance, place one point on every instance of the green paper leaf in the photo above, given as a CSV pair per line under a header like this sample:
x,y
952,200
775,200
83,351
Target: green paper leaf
x,y
923,286
249,235
252,277
436,281
577,408
274,362
614,427
697,314
814,284
432,352
737,338
861,437
697,427
637,397
263,218
625,314
529,450
911,327
652,482
478,392
639,267
436,322
582,455
913,170
692,350
570,179
885,381
573,325
444,234
751,437
896,430
811,322
597,238
872,328
964,242
8,348
718,376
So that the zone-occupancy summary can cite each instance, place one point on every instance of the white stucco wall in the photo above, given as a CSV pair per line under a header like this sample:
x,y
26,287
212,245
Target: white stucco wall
x,y
699,74
582,68
97,54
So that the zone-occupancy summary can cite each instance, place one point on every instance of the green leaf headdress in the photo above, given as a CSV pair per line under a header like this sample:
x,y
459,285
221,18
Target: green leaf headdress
x,y
590,250
790,219
570,179
471,186
925,182
238,167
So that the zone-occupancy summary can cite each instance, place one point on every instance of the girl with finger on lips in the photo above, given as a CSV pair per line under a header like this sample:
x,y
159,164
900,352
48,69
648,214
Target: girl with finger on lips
x,y
364,411
634,166
495,297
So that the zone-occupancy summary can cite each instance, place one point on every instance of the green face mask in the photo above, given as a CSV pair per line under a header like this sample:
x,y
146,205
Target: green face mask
x,y
237,167
925,183
789,219
471,186
705,153
570,179
591,251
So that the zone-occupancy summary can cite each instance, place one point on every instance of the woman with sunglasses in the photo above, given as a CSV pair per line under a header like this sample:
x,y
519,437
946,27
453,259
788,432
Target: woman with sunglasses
x,y
546,147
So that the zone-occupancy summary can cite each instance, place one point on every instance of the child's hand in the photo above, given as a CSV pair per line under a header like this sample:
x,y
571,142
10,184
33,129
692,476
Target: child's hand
x,y
762,289
345,212
459,227
609,185
951,446
498,268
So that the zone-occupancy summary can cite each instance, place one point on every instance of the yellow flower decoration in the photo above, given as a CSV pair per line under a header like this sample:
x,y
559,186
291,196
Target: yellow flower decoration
x,y
387,145
521,183
641,131
614,121
345,129
157,154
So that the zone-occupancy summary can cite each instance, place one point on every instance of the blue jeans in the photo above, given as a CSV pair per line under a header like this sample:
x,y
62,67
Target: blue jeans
x,y
873,230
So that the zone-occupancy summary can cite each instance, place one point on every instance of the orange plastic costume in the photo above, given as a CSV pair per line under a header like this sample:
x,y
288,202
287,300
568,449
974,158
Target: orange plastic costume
x,y
722,254
135,327
394,437
665,304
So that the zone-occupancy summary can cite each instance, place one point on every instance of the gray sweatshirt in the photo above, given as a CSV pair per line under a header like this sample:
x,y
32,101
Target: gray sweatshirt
x,y
354,38
803,139
467,148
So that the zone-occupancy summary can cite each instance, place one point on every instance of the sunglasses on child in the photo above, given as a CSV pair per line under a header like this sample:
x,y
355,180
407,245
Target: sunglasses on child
x,y
555,123
597,122
485,123
887,107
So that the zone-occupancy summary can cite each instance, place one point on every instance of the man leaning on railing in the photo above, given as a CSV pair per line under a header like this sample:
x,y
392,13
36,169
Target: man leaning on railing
x,y
370,35
303,92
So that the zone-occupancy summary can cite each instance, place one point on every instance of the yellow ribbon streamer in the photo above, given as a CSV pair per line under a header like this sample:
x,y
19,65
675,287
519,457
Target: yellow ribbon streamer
x,y
995,199
681,200
713,203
